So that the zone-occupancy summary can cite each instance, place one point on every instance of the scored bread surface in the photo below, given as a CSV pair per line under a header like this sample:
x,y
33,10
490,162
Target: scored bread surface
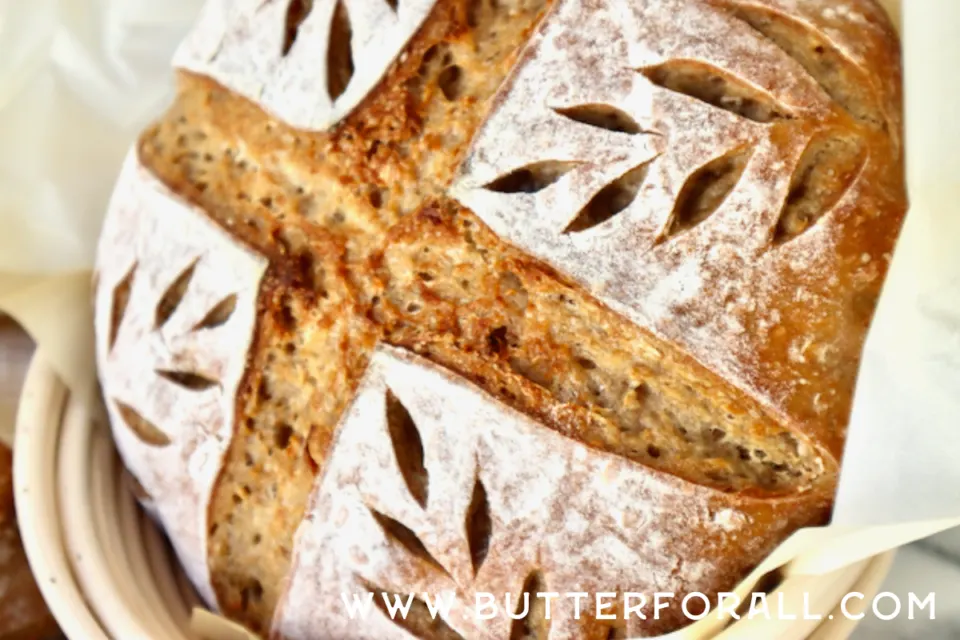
x,y
492,480
186,295
643,238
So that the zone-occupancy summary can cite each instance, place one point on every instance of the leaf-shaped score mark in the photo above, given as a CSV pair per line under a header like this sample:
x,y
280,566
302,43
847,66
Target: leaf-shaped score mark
x,y
167,305
408,448
219,314
188,380
118,308
532,178
173,296
145,430
602,116
827,168
530,618
709,84
340,63
418,621
297,12
840,77
479,526
611,200
705,190
402,535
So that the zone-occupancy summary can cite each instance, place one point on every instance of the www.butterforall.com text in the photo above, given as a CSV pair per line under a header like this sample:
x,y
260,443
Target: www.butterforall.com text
x,y
643,606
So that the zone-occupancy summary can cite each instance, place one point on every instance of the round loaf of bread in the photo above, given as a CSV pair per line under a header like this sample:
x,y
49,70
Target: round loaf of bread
x,y
497,297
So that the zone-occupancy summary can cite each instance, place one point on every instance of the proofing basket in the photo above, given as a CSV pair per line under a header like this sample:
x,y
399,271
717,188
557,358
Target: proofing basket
x,y
108,572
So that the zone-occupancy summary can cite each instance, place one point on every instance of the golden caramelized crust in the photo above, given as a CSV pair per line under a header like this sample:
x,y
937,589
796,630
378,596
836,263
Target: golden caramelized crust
x,y
657,228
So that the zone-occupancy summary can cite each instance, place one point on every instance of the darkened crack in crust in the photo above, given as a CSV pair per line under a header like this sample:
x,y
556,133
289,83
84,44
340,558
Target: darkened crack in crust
x,y
365,245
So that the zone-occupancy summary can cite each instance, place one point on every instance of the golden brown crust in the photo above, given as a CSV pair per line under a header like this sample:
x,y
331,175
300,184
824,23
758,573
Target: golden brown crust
x,y
558,354
365,244
753,243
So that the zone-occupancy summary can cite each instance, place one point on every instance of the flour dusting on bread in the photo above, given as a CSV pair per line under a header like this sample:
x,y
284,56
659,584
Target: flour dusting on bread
x,y
580,518
309,62
697,253
510,295
170,355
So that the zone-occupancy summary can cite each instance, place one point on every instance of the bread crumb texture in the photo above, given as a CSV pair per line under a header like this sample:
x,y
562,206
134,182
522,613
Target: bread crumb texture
x,y
632,232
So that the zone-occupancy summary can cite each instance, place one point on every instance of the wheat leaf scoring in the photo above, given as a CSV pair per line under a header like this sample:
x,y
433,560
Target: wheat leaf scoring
x,y
406,538
408,448
532,178
219,314
705,190
836,74
145,430
610,201
188,380
297,12
825,172
715,87
479,526
118,308
340,63
602,116
530,619
173,296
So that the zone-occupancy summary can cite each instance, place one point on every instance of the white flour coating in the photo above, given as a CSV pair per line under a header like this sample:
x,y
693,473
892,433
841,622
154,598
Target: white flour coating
x,y
588,520
861,32
834,17
713,289
239,43
728,519
150,227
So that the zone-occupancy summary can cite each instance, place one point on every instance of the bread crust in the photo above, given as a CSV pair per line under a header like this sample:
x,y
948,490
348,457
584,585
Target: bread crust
x,y
601,219
583,519
780,317
175,309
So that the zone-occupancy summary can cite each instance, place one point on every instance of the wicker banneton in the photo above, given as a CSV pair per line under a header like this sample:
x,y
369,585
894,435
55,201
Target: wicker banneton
x,y
107,571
